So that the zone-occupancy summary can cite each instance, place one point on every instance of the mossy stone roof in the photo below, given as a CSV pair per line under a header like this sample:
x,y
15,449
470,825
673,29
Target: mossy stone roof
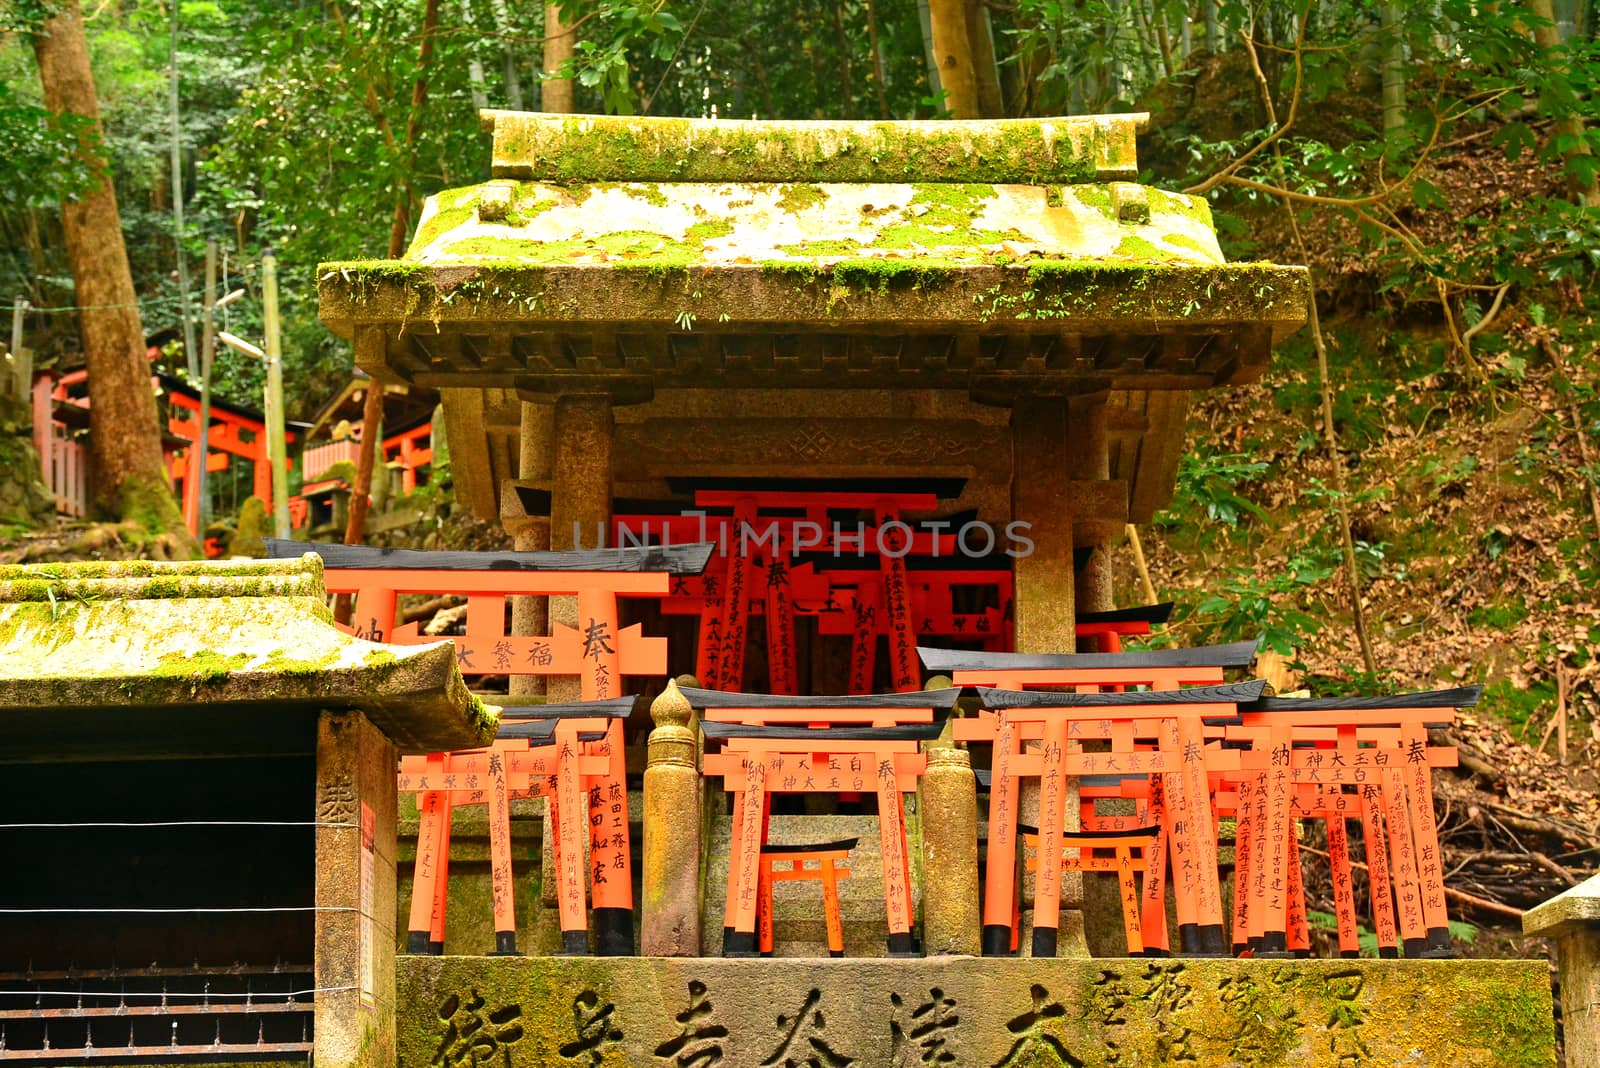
x,y
611,148
645,227
137,636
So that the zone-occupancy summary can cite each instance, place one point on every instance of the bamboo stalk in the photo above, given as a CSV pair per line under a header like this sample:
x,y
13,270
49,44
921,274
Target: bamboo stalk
x,y
277,445
1138,560
208,353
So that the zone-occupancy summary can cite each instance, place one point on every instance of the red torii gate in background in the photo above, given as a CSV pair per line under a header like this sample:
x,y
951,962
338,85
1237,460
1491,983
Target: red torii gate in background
x,y
229,424
598,652
227,438
782,554
763,535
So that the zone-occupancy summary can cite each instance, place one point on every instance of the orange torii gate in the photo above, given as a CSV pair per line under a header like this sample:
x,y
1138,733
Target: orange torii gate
x,y
598,652
785,744
1163,669
540,751
1158,733
1109,628
1303,755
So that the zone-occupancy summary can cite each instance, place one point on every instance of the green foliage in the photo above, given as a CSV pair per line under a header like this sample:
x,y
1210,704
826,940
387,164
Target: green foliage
x,y
1367,939
1516,706
41,152
1245,604
1208,483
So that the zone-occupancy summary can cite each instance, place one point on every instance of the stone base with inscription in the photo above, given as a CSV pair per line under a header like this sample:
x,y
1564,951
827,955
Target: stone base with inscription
x,y
715,1013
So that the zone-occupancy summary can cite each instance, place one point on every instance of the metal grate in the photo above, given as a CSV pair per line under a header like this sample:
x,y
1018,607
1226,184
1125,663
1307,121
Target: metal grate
x,y
158,1012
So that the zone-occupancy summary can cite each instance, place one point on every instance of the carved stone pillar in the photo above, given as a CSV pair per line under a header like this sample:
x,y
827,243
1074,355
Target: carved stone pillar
x,y
1042,496
1090,458
1571,920
355,894
530,615
670,889
580,498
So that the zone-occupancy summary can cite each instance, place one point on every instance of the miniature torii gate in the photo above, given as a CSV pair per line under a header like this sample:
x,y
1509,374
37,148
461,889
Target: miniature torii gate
x,y
786,744
1165,669
1303,754
1157,733
540,751
600,656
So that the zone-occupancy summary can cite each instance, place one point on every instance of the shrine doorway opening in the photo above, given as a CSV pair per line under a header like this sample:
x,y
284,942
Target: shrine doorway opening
x,y
160,905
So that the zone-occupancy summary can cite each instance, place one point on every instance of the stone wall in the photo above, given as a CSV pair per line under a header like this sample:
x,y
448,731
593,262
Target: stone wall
x,y
972,1012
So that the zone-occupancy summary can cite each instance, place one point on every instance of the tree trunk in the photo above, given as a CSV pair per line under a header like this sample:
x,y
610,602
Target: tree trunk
x,y
559,37
1548,37
952,51
1394,69
508,55
877,62
847,80
980,35
372,410
130,477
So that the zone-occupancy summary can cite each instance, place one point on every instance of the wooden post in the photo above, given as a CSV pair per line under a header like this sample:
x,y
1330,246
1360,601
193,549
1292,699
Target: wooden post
x,y
44,430
1000,874
175,166
277,446
783,671
21,359
1344,898
1376,844
1153,907
567,815
903,667
500,876
891,844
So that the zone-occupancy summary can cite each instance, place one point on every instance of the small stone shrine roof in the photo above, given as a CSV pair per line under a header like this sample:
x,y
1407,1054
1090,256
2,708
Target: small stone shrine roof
x,y
247,641
698,252
1576,907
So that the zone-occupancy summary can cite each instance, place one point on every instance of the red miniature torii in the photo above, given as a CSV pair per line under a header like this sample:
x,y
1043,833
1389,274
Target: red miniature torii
x,y
777,525
784,744
1167,669
540,751
1377,746
600,654
1169,724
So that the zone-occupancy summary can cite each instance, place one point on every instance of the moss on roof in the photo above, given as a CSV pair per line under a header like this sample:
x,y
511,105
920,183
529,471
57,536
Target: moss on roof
x,y
141,635
604,148
719,223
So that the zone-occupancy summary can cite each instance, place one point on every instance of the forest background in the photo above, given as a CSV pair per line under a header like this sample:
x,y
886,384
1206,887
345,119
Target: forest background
x,y
1410,498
